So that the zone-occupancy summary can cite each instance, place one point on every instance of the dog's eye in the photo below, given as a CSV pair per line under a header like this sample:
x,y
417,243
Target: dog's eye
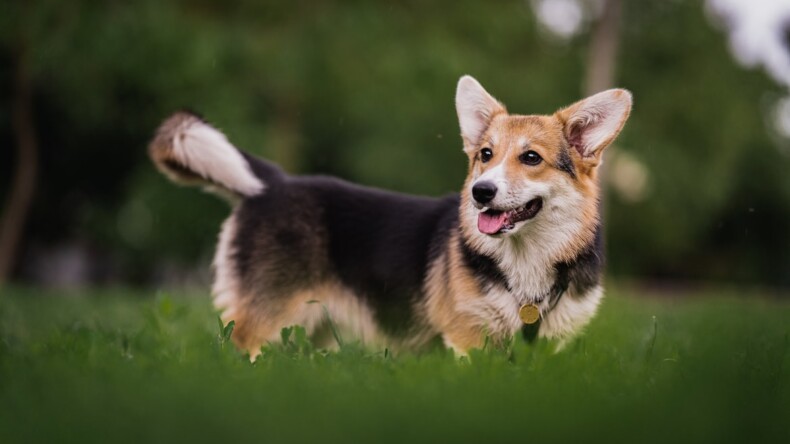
x,y
530,158
486,154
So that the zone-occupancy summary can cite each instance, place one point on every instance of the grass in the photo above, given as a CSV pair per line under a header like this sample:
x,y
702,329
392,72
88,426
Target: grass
x,y
123,366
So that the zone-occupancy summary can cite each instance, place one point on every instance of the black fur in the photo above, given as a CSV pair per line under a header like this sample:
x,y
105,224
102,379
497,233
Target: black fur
x,y
565,163
484,267
377,243
265,170
583,273
183,171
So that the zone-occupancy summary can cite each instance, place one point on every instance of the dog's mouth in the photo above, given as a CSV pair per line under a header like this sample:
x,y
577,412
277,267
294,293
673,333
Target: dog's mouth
x,y
493,221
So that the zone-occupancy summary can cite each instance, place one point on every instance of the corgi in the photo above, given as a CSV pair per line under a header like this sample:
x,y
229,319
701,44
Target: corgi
x,y
519,249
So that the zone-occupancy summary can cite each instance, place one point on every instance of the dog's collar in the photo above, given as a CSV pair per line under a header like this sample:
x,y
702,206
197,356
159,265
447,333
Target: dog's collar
x,y
584,272
530,329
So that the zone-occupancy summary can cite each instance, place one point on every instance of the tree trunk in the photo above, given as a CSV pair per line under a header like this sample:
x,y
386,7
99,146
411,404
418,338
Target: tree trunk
x,y
23,183
601,65
602,55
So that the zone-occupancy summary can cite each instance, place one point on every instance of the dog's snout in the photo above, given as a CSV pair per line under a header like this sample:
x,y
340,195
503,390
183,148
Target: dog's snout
x,y
484,192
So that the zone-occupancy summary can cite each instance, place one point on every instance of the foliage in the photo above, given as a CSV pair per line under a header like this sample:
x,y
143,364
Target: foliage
x,y
104,366
364,90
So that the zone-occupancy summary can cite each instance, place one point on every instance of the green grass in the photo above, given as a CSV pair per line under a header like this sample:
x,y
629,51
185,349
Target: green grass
x,y
120,366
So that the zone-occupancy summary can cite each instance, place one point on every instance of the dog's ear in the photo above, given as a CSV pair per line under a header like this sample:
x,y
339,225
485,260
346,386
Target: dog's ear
x,y
475,109
590,125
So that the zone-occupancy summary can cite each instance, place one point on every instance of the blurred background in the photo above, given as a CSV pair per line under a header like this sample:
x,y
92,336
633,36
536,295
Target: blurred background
x,y
697,185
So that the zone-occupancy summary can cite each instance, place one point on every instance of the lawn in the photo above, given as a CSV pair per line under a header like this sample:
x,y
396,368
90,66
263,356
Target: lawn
x,y
140,366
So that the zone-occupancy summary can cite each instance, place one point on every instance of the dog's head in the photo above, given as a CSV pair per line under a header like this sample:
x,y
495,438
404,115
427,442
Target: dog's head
x,y
534,170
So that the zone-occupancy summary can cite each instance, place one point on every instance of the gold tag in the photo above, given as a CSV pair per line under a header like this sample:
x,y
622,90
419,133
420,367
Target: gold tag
x,y
529,313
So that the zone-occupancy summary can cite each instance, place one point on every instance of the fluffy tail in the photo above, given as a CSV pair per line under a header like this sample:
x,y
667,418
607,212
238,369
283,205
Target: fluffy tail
x,y
190,151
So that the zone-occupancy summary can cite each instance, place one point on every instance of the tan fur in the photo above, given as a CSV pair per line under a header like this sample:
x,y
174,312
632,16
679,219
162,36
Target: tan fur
x,y
544,135
450,285
260,319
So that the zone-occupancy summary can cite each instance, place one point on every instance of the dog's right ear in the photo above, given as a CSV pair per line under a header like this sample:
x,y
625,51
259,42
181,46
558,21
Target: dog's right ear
x,y
475,109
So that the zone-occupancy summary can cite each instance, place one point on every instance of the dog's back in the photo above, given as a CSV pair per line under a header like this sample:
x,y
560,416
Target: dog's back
x,y
292,240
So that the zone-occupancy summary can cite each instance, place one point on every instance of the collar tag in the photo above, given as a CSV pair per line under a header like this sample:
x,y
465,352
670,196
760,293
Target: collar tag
x,y
529,313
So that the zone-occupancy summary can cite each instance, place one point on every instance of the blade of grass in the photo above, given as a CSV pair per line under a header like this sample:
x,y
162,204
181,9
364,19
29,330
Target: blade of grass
x,y
331,322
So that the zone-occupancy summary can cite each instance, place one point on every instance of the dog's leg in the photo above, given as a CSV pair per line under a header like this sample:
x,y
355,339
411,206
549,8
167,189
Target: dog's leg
x,y
571,315
458,351
462,338
260,320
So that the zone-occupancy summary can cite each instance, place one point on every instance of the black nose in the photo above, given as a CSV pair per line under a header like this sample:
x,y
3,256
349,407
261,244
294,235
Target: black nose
x,y
483,192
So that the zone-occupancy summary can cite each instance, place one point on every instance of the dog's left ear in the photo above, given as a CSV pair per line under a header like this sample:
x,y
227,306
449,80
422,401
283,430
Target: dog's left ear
x,y
591,125
475,109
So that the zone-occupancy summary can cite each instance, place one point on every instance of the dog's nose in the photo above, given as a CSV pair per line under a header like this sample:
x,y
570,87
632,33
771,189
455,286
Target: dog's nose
x,y
483,192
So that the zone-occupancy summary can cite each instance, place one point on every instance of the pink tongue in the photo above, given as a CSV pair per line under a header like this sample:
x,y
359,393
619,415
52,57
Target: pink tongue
x,y
491,223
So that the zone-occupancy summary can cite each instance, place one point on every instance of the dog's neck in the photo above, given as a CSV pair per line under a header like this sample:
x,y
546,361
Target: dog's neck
x,y
528,259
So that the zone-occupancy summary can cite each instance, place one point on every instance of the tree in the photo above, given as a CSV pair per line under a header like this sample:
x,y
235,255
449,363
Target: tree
x,y
23,182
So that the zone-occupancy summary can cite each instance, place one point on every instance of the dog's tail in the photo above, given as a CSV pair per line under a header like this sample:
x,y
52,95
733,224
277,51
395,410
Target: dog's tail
x,y
190,151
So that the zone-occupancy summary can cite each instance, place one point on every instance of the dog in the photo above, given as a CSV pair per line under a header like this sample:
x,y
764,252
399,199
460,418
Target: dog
x,y
519,249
